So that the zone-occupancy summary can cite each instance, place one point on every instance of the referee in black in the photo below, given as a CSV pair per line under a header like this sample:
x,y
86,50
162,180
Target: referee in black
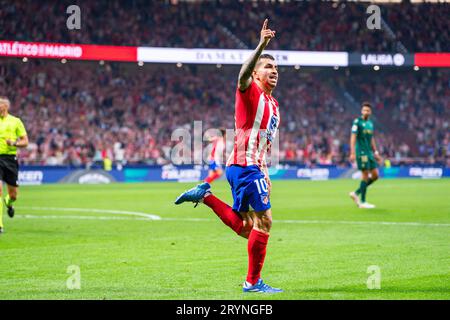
x,y
12,136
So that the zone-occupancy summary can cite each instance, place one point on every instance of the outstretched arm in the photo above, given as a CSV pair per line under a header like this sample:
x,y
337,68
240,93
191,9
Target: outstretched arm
x,y
245,75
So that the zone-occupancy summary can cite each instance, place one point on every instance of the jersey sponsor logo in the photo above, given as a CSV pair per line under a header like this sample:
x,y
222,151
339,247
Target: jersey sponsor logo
x,y
272,129
271,132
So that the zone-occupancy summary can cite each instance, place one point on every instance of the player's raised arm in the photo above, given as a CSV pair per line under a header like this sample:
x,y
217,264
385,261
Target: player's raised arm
x,y
245,75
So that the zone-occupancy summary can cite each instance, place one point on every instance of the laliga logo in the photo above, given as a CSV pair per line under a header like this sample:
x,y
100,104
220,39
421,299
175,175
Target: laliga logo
x,y
383,59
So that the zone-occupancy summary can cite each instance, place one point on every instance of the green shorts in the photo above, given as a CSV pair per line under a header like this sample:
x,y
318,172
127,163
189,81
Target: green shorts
x,y
366,161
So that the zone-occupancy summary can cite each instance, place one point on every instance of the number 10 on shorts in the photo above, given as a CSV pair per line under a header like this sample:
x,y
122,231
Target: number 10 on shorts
x,y
261,184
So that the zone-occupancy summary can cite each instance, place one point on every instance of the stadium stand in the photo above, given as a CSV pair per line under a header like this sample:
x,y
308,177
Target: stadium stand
x,y
301,25
81,112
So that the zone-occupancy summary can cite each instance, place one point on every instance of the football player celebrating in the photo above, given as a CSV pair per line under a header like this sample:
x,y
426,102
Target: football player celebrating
x,y
256,122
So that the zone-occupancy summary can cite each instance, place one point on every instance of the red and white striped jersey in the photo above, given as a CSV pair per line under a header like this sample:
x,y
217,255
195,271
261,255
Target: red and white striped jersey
x,y
217,150
257,119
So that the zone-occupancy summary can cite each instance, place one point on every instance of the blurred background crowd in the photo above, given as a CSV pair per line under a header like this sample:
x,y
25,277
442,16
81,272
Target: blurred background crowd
x,y
79,113
300,25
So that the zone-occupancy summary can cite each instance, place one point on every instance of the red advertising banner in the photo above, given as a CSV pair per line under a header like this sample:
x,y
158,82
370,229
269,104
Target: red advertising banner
x,y
432,59
67,51
109,53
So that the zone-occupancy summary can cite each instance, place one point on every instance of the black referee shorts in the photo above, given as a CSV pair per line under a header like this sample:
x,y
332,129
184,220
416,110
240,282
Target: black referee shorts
x,y
9,169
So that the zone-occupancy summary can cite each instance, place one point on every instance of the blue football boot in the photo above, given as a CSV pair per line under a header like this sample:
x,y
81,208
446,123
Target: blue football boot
x,y
260,286
195,194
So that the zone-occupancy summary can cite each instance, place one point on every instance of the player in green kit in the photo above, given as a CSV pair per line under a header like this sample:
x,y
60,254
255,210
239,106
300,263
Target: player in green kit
x,y
12,136
364,150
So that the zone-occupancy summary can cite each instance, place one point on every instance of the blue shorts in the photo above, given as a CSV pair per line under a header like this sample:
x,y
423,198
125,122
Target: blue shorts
x,y
249,188
214,166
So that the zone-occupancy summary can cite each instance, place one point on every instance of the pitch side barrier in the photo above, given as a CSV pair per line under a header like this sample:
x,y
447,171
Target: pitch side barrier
x,y
36,175
64,51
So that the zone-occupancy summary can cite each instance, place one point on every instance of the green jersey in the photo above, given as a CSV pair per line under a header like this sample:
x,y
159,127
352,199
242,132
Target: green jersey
x,y
11,128
364,133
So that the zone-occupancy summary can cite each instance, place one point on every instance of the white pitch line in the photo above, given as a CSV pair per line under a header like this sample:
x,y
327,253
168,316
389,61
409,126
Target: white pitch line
x,y
68,217
149,217
133,213
416,224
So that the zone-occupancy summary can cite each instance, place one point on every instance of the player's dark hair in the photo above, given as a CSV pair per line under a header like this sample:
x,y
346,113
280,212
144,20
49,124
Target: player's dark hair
x,y
266,56
223,131
366,104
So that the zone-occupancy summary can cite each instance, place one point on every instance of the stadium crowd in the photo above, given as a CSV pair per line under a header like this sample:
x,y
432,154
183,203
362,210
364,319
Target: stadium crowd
x,y
300,25
80,113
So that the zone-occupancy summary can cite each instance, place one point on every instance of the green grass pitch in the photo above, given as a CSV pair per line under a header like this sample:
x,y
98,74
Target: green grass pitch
x,y
321,245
